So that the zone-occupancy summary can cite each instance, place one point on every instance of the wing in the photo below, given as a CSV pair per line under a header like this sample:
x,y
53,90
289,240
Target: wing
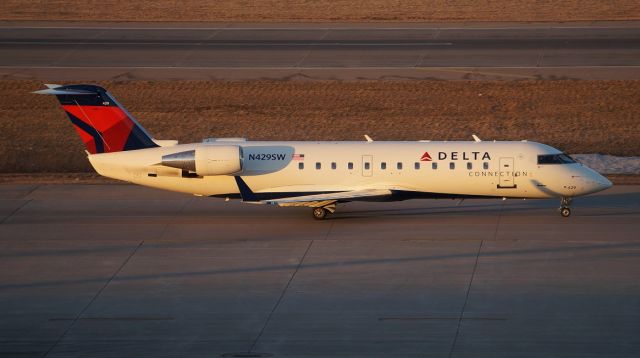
x,y
314,200
317,200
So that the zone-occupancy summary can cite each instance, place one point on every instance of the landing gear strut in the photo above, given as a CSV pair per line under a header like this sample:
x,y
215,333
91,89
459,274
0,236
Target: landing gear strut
x,y
565,211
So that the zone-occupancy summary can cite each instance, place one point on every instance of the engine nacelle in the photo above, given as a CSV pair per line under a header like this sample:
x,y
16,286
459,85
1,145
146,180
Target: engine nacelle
x,y
207,160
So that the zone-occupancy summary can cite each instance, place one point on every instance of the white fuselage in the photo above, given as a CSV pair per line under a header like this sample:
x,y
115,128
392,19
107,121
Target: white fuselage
x,y
456,169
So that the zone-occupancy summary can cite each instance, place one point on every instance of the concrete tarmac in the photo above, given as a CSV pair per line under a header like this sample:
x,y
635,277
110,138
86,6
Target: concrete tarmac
x,y
320,51
120,270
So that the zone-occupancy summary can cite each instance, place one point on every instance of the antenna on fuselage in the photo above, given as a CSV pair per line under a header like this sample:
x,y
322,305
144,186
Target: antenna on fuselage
x,y
369,140
475,138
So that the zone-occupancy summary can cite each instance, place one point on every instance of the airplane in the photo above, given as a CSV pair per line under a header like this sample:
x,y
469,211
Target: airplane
x,y
319,174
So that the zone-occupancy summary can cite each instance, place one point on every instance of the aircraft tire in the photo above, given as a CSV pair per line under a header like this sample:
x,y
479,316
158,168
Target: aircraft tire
x,y
565,212
319,213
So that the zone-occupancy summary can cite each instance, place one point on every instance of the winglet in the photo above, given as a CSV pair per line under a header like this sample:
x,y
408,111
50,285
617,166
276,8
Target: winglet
x,y
245,192
475,137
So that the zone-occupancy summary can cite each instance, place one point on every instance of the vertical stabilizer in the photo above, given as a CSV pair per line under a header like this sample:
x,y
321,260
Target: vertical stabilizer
x,y
102,123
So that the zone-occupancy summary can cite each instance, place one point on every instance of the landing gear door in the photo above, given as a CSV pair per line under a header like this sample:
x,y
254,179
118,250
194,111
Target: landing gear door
x,y
507,179
367,165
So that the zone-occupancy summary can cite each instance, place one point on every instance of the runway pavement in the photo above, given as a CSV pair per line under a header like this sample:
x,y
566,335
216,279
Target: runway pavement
x,y
320,51
120,270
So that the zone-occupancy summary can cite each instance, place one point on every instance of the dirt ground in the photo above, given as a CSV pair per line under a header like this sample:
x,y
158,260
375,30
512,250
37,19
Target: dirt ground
x,y
320,10
576,116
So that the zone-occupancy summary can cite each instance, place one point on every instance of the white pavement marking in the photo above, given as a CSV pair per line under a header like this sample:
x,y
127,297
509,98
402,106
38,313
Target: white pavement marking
x,y
49,43
311,68
302,28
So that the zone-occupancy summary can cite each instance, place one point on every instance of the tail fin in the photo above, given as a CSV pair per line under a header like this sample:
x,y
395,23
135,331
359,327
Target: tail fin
x,y
102,123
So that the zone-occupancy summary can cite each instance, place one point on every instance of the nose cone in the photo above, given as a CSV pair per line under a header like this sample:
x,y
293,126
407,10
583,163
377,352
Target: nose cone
x,y
595,183
606,183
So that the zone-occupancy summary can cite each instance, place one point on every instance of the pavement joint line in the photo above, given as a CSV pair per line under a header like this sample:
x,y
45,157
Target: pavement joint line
x,y
284,291
35,187
75,48
86,307
542,49
6,218
309,49
495,233
191,50
165,228
466,300
326,236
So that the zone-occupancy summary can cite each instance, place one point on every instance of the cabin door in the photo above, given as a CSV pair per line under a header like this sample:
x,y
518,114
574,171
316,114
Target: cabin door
x,y
367,165
507,179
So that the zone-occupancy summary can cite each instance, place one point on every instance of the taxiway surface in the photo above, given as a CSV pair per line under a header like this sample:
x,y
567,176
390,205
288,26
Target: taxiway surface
x,y
121,270
352,51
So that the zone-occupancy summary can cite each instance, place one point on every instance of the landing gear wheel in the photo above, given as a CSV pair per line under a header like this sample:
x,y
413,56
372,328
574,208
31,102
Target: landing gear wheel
x,y
564,207
320,213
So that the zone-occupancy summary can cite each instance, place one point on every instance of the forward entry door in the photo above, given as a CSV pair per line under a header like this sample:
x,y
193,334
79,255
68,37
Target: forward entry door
x,y
507,179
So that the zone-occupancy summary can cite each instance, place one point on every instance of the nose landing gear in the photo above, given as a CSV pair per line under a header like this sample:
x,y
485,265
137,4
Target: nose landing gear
x,y
565,211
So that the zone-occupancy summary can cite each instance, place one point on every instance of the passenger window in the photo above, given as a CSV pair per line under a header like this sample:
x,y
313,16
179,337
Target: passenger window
x,y
417,165
485,165
434,165
399,166
333,165
350,166
469,165
301,166
383,165
367,165
452,165
318,165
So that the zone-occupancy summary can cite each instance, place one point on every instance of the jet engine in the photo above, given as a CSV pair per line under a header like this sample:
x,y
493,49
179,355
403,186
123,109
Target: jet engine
x,y
207,160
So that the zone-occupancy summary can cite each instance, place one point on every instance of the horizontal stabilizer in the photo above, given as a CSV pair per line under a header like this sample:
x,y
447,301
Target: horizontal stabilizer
x,y
61,91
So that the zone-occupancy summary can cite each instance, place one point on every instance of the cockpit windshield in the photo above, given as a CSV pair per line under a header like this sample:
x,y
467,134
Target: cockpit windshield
x,y
555,159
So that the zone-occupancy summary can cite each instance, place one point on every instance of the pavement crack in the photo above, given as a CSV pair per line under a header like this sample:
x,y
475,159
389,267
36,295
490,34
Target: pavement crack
x,y
95,297
466,300
284,291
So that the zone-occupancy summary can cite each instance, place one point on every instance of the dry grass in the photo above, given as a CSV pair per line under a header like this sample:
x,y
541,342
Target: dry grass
x,y
576,116
320,10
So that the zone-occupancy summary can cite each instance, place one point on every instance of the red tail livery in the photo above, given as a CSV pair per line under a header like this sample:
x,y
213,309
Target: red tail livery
x,y
102,123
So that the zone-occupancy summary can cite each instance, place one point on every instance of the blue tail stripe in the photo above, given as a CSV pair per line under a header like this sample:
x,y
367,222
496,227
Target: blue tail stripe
x,y
97,139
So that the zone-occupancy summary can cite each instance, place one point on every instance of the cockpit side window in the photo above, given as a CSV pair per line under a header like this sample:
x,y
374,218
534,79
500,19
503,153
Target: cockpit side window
x,y
555,159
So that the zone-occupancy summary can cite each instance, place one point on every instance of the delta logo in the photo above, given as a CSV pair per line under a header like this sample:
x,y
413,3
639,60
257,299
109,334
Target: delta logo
x,y
426,157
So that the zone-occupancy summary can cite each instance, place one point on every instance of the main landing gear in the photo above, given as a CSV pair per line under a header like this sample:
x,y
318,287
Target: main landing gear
x,y
565,211
320,212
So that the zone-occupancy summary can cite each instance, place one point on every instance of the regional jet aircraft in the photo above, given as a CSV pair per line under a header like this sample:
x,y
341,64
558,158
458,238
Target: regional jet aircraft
x,y
319,175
